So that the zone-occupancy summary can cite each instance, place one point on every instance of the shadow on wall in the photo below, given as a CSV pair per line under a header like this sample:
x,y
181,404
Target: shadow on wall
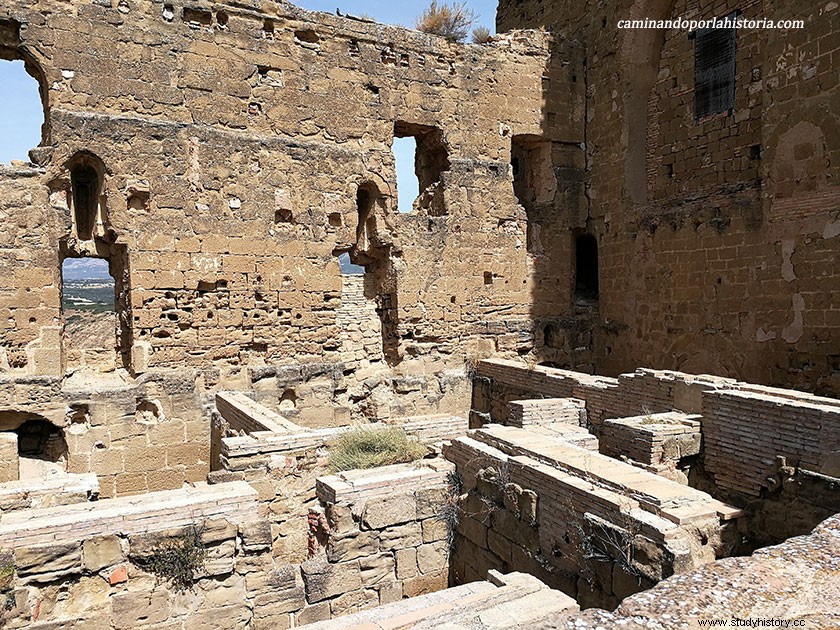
x,y
37,437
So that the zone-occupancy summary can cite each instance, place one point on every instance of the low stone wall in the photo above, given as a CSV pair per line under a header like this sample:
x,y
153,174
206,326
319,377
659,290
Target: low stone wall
x,y
515,600
110,564
371,537
764,449
746,431
49,492
523,413
591,526
659,442
381,536
141,436
497,382
284,466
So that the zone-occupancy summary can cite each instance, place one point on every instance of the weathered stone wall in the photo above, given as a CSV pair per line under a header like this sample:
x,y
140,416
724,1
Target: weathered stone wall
x,y
715,236
798,587
87,564
384,538
237,152
284,465
135,435
586,524
375,537
764,449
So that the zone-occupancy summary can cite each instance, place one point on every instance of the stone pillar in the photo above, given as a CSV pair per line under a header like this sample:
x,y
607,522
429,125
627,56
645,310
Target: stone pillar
x,y
9,460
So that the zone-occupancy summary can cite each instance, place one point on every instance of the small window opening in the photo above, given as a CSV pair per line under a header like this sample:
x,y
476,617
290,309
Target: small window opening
x,y
86,186
586,267
369,289
268,29
714,70
222,19
347,266
429,158
408,186
95,319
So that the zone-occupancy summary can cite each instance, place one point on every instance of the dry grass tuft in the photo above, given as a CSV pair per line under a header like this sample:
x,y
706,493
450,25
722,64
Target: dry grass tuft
x,y
481,35
370,447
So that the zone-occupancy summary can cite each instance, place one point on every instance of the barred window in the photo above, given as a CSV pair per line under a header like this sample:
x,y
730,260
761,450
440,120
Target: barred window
x,y
714,70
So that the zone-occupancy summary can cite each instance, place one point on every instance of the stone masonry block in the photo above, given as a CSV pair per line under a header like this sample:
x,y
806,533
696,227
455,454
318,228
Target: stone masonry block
x,y
323,580
390,510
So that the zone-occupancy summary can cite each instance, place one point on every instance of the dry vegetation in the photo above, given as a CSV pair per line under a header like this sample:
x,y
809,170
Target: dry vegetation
x,y
481,35
369,447
451,21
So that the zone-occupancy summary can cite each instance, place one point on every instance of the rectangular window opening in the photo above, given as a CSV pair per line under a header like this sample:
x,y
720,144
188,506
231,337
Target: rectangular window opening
x,y
714,70
421,149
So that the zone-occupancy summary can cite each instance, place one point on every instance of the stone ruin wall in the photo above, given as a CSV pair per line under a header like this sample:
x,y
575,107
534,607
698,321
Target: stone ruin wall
x,y
359,547
771,451
717,239
237,152
149,434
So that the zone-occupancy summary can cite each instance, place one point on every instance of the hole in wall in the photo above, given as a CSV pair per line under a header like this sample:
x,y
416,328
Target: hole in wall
x,y
197,18
288,401
586,267
306,36
86,186
42,447
430,160
534,182
408,187
21,112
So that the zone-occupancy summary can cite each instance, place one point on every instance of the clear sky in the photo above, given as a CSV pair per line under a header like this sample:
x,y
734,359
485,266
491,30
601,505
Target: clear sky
x,y
21,114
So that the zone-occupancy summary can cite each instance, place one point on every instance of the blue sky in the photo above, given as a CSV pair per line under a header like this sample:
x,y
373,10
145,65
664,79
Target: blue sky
x,y
21,114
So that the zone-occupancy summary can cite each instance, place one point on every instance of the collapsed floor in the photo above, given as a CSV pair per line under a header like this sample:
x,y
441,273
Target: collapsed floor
x,y
577,492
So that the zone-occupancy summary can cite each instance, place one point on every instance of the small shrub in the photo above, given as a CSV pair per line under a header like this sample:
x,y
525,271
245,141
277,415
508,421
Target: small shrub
x,y
177,561
481,35
451,21
370,447
449,512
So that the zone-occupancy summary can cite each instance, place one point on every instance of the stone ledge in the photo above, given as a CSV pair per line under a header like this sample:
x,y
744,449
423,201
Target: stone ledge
x,y
155,511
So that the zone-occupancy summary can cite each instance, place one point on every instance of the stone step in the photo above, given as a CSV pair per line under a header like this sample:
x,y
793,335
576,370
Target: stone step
x,y
504,601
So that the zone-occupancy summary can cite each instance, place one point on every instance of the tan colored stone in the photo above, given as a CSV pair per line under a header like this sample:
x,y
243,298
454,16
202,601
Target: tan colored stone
x,y
101,552
390,510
